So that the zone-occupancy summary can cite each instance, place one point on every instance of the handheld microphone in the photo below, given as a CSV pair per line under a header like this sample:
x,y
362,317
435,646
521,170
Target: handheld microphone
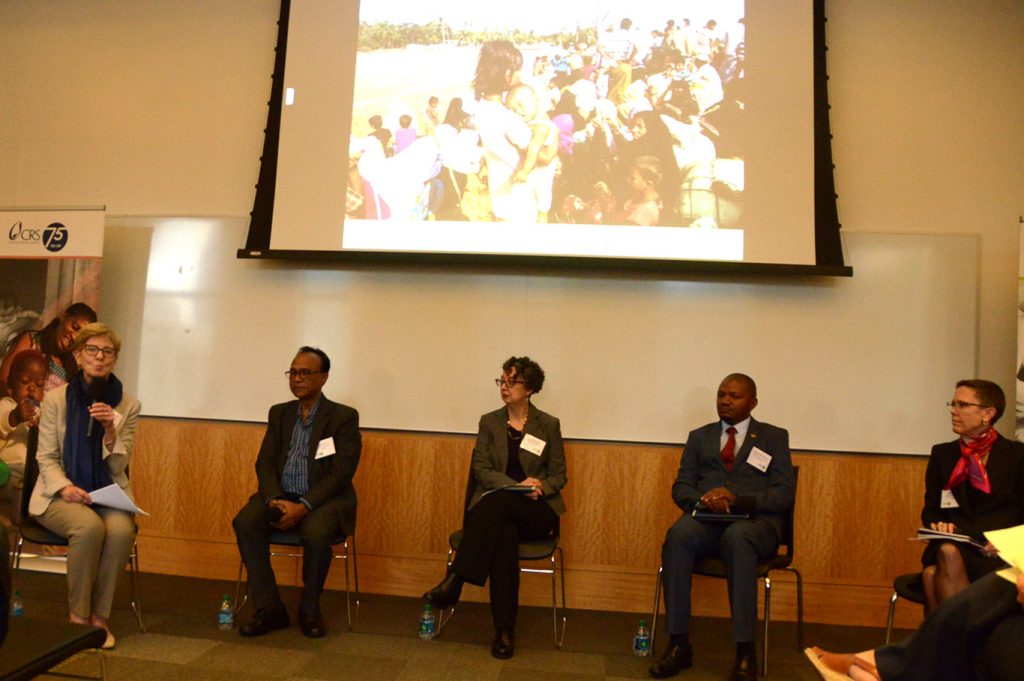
x,y
96,390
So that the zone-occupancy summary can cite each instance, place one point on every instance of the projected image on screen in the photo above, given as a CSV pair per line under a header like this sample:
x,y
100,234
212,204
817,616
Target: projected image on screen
x,y
571,128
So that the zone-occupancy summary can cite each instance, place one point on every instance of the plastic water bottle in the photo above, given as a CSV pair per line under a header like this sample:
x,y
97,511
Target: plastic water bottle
x,y
225,615
642,640
428,625
17,606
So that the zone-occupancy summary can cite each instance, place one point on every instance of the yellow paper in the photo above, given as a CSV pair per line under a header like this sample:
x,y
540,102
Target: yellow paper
x,y
1010,544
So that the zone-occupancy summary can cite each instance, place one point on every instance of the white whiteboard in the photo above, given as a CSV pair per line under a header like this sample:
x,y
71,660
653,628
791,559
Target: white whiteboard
x,y
862,364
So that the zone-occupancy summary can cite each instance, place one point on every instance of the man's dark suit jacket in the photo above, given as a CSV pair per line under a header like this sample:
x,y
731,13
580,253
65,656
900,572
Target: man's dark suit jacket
x,y
768,494
1004,507
490,456
330,477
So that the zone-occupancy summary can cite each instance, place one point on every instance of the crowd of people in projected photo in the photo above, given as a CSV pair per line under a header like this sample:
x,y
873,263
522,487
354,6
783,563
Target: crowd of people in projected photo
x,y
640,127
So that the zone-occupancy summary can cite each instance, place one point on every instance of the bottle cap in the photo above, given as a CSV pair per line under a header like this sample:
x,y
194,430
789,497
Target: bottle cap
x,y
643,623
426,606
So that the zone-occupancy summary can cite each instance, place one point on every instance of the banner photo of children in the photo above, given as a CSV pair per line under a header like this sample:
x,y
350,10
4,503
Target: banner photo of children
x,y
578,112
45,298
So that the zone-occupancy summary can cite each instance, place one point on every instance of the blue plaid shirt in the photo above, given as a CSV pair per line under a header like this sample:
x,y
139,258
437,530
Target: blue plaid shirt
x,y
295,478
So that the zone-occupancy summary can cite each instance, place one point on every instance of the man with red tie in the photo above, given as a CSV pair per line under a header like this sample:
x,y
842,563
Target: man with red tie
x,y
736,466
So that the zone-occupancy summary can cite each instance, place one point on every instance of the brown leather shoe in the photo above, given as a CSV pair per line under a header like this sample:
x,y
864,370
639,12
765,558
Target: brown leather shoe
x,y
675,660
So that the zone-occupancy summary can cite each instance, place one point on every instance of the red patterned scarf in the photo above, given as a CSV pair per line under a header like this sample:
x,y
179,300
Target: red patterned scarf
x,y
970,467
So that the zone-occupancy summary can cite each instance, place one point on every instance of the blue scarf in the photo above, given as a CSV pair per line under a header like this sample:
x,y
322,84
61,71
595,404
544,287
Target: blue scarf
x,y
83,456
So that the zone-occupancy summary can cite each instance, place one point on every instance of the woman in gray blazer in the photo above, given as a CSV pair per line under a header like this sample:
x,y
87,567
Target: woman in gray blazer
x,y
519,467
86,433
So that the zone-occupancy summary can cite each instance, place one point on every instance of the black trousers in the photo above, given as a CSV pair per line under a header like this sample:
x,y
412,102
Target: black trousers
x,y
950,639
317,530
490,547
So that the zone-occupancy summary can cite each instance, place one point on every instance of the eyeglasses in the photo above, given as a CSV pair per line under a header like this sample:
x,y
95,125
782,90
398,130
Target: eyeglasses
x,y
958,405
93,350
502,383
301,373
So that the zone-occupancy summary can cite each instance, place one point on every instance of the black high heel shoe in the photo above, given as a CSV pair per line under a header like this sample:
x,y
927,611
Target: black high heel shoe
x,y
447,593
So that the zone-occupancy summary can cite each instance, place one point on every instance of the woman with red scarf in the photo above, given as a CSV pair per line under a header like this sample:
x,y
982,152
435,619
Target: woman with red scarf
x,y
972,485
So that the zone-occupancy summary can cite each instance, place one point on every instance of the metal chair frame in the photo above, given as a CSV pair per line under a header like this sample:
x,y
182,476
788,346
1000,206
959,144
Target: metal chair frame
x,y
285,539
765,566
554,567
904,586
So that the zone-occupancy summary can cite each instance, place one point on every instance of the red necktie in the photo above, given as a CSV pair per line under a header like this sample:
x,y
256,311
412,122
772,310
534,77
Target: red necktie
x,y
729,450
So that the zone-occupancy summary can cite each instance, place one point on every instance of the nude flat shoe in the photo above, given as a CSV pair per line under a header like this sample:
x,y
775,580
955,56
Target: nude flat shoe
x,y
110,642
835,666
827,672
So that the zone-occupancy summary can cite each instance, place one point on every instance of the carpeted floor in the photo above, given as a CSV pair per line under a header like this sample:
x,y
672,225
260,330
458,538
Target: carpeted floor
x,y
183,642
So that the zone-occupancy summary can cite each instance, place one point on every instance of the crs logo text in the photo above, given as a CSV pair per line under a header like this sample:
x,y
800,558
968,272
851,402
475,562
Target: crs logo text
x,y
54,236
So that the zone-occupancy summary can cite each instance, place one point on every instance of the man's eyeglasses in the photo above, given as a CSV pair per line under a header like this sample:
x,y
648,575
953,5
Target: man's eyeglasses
x,y
301,373
502,383
93,350
959,405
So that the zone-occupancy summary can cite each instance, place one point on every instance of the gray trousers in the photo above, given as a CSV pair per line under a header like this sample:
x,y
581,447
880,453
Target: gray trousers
x,y
739,544
317,529
99,542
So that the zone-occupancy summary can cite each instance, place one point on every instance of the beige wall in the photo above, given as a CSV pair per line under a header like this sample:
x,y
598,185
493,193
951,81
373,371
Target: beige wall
x,y
151,110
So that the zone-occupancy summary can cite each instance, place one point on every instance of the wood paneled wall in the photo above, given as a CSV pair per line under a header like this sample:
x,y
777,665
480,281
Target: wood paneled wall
x,y
854,515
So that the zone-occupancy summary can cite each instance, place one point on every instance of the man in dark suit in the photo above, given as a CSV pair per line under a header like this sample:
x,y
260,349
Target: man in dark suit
x,y
736,466
304,468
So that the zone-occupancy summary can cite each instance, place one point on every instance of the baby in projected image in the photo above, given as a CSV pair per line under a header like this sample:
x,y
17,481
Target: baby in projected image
x,y
539,161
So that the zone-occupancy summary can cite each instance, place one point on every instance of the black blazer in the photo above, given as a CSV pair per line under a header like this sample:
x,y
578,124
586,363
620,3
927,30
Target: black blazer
x,y
330,477
490,456
1004,507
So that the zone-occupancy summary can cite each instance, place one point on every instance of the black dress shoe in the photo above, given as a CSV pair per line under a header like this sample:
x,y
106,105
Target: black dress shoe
x,y
504,645
312,626
745,669
266,620
445,594
676,659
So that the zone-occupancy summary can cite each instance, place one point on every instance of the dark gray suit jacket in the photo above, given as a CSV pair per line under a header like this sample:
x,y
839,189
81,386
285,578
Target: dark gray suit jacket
x,y
490,456
330,477
768,494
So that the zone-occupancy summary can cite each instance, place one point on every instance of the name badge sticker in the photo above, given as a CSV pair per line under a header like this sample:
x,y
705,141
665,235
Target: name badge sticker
x,y
759,459
948,500
532,444
325,448
117,420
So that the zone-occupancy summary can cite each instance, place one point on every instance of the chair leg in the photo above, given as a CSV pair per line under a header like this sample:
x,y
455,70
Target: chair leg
x,y
239,604
767,618
16,562
442,620
133,572
355,575
559,637
891,618
350,553
799,608
654,610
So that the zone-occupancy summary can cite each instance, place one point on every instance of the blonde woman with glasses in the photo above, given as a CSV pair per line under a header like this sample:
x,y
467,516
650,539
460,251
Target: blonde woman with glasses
x,y
86,433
